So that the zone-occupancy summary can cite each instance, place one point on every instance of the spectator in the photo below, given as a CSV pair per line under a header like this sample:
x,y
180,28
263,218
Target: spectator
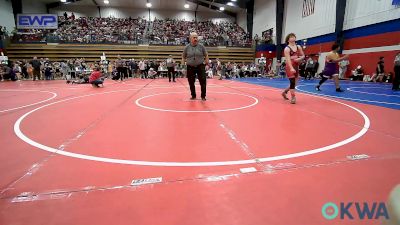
x,y
110,69
282,70
29,70
142,68
388,78
309,68
1,33
17,70
95,78
358,73
315,69
302,69
262,62
229,69
134,67
152,73
24,69
209,72
171,66
8,72
48,72
218,66
36,68
256,39
64,69
2,71
121,69
380,70
396,79
223,72
343,68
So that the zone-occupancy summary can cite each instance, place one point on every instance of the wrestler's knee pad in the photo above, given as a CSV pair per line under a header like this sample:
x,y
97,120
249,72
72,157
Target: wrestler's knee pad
x,y
292,83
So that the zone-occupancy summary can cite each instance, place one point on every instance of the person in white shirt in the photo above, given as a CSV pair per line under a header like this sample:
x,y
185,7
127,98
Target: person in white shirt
x,y
343,68
171,70
17,70
219,67
210,72
262,62
235,71
152,73
142,68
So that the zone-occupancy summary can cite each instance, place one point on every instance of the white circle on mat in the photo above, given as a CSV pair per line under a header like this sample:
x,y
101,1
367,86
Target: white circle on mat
x,y
24,106
22,136
255,102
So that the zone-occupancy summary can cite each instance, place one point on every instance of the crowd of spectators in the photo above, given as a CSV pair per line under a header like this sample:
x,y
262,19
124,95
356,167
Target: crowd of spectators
x,y
87,30
136,31
176,32
77,69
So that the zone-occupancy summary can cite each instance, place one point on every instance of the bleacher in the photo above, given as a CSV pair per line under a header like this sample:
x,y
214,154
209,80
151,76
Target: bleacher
x,y
92,52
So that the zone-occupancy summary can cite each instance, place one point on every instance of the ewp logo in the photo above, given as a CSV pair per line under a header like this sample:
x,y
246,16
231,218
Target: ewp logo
x,y
364,210
37,21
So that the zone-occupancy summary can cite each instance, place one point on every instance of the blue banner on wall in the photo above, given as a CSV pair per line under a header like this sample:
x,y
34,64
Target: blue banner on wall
x,y
37,21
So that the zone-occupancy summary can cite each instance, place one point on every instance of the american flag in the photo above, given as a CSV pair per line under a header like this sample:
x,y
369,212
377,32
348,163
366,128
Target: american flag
x,y
308,7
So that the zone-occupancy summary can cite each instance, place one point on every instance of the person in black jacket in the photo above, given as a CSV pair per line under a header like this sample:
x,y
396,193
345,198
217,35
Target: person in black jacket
x,y
36,68
358,73
8,72
380,70
396,79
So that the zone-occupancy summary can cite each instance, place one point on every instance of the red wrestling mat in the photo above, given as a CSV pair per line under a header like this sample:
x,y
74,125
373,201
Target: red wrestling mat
x,y
73,154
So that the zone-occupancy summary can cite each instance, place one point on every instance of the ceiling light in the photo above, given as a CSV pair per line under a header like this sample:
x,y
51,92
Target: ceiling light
x,y
233,0
222,8
64,1
230,4
186,6
148,5
106,2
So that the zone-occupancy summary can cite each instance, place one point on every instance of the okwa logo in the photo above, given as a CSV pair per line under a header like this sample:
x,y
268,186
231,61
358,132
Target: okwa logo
x,y
355,210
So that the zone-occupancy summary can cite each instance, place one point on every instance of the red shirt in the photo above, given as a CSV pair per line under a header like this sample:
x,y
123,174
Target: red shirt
x,y
94,76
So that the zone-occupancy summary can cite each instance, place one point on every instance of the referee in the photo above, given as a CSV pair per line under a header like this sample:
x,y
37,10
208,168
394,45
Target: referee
x,y
195,55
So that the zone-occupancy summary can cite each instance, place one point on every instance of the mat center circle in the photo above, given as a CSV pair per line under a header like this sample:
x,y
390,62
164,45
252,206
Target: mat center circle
x,y
216,102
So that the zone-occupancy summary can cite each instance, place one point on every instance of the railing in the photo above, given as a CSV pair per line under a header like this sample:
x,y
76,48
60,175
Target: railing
x,y
137,40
